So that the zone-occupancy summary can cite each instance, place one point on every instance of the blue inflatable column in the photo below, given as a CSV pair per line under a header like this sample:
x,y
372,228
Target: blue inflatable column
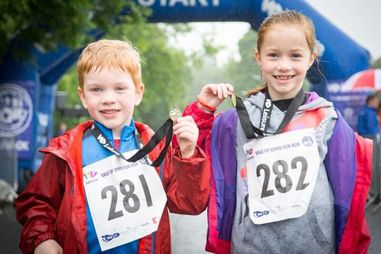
x,y
19,95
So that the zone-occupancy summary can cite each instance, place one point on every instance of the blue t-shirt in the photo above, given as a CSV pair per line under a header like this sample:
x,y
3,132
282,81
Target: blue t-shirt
x,y
96,153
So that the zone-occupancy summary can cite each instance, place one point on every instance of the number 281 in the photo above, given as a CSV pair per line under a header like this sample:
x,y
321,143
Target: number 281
x,y
128,195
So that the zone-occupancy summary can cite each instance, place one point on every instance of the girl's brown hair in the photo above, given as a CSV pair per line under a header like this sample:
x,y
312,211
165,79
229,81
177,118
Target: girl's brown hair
x,y
285,18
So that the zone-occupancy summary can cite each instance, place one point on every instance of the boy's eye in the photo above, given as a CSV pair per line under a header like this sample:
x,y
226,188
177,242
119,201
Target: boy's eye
x,y
120,88
95,89
272,55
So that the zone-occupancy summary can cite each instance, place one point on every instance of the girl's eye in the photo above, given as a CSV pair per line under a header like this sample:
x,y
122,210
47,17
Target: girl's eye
x,y
296,55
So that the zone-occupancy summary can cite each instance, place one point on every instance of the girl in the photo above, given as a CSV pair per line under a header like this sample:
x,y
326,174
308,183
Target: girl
x,y
289,175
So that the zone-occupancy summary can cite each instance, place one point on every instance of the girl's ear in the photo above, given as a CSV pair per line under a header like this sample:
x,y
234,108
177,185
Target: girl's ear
x,y
139,94
313,58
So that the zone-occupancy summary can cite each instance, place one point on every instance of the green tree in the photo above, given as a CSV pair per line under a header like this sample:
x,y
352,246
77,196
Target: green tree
x,y
165,71
53,22
377,63
244,74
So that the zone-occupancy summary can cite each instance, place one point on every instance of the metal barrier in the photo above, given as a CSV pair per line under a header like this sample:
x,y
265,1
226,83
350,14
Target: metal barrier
x,y
8,161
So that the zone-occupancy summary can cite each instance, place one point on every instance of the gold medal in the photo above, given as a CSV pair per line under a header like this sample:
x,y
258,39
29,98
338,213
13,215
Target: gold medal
x,y
174,114
234,100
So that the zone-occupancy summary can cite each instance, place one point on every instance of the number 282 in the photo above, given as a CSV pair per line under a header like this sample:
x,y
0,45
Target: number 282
x,y
280,169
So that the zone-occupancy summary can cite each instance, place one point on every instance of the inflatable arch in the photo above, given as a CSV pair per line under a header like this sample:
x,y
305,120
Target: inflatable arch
x,y
27,92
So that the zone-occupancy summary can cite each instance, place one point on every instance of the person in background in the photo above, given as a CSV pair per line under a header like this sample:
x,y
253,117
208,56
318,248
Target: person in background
x,y
368,127
379,116
264,150
367,122
62,128
85,197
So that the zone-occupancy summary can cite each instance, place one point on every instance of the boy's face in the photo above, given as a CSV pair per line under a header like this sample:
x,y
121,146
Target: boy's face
x,y
110,96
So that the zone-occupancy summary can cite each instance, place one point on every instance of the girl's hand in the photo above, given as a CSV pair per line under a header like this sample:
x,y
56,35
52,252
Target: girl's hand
x,y
212,95
186,132
48,247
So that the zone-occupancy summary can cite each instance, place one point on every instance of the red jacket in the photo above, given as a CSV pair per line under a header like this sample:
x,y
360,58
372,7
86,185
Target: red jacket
x,y
53,206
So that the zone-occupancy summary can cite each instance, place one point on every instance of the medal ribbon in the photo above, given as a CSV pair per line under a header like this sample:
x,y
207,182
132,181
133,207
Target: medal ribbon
x,y
166,130
250,130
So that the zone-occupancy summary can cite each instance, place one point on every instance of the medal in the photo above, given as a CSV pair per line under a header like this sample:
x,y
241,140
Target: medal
x,y
174,114
234,100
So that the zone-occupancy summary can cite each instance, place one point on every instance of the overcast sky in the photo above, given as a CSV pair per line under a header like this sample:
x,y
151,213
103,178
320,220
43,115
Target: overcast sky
x,y
359,19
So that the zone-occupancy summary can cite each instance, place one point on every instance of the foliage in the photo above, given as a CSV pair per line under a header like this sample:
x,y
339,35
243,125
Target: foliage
x,y
164,70
377,63
49,23
244,74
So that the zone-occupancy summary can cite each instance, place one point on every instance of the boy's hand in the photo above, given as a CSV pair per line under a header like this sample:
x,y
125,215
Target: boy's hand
x,y
213,95
187,133
48,247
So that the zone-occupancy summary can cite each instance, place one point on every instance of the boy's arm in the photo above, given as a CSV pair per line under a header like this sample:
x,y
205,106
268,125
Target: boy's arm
x,y
38,204
204,121
186,171
186,182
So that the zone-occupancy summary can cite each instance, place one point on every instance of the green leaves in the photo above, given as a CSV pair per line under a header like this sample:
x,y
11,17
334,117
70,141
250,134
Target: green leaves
x,y
53,22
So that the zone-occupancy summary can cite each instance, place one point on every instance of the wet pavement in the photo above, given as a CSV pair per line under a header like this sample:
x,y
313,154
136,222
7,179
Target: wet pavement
x,y
188,232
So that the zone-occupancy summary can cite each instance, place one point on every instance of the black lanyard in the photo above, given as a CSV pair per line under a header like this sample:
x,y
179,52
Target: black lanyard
x,y
166,130
253,132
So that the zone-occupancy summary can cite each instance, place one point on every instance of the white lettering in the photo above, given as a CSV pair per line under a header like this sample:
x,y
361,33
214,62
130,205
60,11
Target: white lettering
x,y
174,2
22,145
171,3
271,7
146,2
264,119
203,2
11,115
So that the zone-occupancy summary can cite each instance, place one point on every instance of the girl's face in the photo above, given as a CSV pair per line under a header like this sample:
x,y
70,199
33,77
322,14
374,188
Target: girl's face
x,y
110,97
284,59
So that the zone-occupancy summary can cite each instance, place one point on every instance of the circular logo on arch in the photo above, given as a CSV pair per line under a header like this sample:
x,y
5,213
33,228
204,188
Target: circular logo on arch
x,y
16,110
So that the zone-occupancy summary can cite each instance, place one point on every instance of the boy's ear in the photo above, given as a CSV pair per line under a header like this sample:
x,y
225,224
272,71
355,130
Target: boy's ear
x,y
139,93
82,96
258,57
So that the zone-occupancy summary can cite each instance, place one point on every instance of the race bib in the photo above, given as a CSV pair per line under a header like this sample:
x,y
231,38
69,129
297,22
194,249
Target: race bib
x,y
126,200
281,175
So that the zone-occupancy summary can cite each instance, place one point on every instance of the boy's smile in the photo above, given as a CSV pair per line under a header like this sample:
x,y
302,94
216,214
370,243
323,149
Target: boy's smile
x,y
110,96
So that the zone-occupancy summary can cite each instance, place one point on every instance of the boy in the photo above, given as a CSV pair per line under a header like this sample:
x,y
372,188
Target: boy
x,y
85,198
